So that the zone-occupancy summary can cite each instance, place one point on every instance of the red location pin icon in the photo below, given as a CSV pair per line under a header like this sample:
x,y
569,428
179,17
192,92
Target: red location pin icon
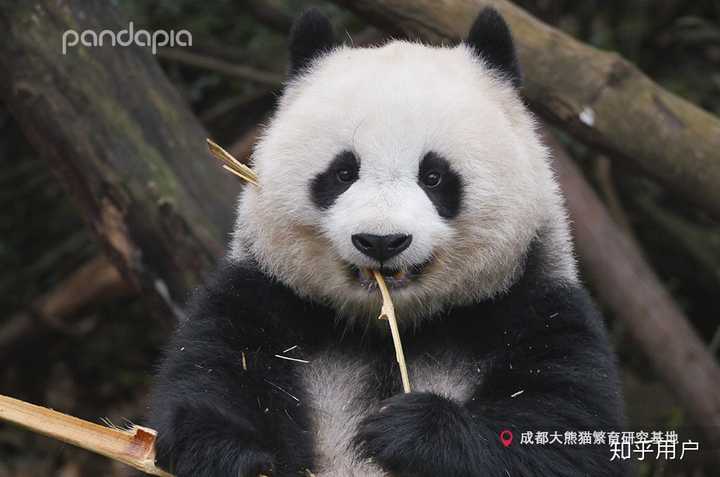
x,y
506,437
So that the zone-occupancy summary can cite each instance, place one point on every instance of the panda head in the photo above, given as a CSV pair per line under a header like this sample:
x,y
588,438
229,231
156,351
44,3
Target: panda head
x,y
418,161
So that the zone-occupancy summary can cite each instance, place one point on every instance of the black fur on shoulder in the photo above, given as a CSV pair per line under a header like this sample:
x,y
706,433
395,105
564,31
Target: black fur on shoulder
x,y
222,404
311,36
491,39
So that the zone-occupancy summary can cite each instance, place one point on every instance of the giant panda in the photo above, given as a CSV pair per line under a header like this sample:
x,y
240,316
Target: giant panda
x,y
421,162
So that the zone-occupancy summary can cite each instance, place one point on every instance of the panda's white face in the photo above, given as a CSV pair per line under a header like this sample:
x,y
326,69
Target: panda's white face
x,y
417,161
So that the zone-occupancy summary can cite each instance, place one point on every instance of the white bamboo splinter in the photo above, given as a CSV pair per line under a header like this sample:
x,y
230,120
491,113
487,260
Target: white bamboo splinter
x,y
387,312
232,165
134,447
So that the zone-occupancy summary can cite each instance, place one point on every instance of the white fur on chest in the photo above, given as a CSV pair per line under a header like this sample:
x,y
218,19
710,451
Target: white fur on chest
x,y
340,393
342,390
452,376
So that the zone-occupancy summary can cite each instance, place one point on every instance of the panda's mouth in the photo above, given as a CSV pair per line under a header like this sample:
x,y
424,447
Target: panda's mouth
x,y
394,277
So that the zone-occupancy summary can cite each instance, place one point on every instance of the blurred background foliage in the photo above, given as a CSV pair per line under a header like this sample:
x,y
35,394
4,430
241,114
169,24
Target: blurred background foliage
x,y
105,369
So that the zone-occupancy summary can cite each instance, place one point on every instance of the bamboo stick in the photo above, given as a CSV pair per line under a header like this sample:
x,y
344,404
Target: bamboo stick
x,y
388,313
134,447
231,164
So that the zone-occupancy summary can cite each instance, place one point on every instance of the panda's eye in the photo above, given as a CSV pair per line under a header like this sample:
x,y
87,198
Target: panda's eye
x,y
432,179
345,175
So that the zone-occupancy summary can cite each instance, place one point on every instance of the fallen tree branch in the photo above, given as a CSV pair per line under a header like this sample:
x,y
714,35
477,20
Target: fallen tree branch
x,y
225,106
96,281
222,67
126,146
134,447
598,96
625,283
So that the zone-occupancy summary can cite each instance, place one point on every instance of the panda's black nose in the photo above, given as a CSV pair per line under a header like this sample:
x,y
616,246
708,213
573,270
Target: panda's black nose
x,y
381,247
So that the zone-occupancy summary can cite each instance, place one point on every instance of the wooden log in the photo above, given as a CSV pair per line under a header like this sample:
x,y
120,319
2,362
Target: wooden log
x,y
626,284
598,96
95,281
222,67
123,141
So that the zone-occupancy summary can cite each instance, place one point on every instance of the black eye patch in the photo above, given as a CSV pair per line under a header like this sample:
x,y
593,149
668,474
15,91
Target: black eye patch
x,y
327,186
445,193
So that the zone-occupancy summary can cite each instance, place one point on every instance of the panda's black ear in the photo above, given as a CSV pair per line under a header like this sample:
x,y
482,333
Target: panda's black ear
x,y
311,36
491,39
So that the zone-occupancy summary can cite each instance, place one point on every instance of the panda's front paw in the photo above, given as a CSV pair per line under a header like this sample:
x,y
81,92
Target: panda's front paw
x,y
419,434
200,441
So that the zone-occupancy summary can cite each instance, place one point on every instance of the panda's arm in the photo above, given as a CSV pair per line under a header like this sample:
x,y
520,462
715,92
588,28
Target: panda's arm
x,y
551,370
219,388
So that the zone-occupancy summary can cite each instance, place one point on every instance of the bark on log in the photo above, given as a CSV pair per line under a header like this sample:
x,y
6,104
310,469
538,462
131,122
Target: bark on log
x,y
624,281
126,145
598,96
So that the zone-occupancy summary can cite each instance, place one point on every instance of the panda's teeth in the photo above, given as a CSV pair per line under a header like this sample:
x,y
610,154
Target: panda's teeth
x,y
394,278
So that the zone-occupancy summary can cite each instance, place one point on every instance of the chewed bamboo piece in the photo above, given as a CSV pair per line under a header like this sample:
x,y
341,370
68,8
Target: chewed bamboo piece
x,y
134,447
388,313
232,165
